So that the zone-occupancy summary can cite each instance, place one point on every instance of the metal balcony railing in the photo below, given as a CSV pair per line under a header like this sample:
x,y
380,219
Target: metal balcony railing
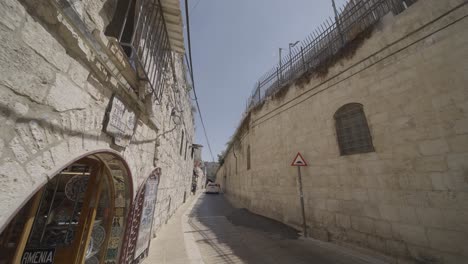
x,y
145,40
355,17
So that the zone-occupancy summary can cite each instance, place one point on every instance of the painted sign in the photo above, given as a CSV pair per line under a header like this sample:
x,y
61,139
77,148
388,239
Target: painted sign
x,y
38,256
147,213
121,122
299,160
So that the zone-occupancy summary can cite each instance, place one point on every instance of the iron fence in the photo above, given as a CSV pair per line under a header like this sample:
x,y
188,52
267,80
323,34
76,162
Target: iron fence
x,y
322,44
145,41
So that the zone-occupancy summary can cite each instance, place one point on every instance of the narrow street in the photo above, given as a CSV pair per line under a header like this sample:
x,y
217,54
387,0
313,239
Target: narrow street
x,y
210,230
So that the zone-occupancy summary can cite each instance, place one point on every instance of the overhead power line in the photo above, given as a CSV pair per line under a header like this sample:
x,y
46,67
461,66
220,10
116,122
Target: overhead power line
x,y
187,19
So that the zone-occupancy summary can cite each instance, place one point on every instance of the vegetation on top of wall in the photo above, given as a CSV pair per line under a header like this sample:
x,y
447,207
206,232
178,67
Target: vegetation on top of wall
x,y
321,71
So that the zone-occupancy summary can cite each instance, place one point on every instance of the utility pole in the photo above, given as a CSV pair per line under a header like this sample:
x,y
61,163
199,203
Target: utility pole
x,y
291,45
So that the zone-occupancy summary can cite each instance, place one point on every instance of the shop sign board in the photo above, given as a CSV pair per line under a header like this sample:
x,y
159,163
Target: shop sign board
x,y
147,213
120,123
38,256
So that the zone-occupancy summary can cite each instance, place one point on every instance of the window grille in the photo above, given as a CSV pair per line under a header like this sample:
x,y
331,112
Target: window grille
x,y
352,130
140,28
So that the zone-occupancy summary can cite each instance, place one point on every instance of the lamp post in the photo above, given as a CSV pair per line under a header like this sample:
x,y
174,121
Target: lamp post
x,y
291,45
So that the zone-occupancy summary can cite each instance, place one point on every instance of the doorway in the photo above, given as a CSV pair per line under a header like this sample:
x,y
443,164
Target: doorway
x,y
77,217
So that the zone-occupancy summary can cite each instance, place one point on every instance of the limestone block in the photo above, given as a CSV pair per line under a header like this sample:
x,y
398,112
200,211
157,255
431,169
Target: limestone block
x,y
449,241
432,163
458,161
443,218
377,243
2,145
22,129
439,181
363,224
383,229
18,150
434,147
343,221
418,182
458,143
38,134
14,179
60,153
406,151
396,248
424,254
78,74
20,109
389,212
461,126
23,71
41,166
65,95
357,237
11,14
444,199
416,198
41,41
371,211
401,214
412,234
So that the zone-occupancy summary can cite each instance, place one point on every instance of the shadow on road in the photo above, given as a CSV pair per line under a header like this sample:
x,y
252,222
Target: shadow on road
x,y
225,234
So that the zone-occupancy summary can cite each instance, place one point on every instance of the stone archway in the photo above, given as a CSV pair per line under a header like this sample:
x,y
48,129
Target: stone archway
x,y
78,216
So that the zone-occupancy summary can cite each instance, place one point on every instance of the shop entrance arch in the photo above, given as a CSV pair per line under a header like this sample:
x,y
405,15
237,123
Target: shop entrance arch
x,y
78,216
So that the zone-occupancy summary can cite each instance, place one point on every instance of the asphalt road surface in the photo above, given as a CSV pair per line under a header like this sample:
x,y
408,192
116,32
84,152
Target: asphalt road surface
x,y
225,234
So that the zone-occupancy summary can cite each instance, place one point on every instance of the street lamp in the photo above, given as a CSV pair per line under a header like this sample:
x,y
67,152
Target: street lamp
x,y
291,45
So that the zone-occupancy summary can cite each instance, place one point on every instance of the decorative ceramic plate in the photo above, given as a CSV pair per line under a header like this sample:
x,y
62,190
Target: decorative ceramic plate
x,y
92,260
89,251
98,234
76,187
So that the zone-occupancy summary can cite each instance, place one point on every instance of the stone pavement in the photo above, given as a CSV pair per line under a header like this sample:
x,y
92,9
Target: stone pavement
x,y
209,230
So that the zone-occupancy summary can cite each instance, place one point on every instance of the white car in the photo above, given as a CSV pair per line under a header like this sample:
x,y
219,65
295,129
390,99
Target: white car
x,y
212,187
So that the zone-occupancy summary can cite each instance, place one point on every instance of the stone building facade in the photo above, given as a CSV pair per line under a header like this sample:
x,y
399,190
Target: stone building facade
x,y
96,124
407,195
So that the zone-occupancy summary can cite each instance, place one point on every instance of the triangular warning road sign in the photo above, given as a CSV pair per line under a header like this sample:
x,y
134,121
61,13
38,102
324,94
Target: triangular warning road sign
x,y
299,160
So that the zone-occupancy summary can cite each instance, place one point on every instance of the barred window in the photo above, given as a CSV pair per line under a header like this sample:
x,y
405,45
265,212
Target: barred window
x,y
352,130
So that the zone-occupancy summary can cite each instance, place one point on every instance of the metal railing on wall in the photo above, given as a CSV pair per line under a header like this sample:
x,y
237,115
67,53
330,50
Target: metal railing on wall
x,y
326,41
145,41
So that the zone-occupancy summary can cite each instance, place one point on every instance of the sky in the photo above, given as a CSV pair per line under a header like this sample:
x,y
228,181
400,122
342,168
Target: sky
x,y
234,42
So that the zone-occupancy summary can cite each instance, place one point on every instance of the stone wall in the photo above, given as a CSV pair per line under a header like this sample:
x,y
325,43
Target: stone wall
x,y
409,198
57,77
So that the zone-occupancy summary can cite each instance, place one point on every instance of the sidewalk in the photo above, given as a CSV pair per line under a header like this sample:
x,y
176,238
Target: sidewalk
x,y
174,243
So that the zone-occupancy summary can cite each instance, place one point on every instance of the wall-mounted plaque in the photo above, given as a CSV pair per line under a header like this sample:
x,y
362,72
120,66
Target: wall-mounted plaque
x,y
120,123
147,212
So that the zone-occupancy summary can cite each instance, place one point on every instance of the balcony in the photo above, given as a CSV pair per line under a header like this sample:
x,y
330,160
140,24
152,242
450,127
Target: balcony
x,y
148,31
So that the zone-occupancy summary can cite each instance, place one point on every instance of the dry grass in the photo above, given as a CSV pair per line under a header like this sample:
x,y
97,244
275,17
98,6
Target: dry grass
x,y
321,71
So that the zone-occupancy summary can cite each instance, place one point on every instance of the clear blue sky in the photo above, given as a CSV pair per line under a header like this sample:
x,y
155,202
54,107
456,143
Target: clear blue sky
x,y
234,42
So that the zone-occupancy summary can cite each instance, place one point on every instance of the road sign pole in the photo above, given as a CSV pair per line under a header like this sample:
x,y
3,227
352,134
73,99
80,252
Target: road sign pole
x,y
299,177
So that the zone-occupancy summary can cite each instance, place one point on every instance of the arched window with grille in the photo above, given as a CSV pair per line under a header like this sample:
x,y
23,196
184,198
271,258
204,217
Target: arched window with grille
x,y
352,130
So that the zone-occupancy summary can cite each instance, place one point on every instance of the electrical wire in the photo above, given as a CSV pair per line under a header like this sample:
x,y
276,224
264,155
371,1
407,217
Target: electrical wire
x,y
187,19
